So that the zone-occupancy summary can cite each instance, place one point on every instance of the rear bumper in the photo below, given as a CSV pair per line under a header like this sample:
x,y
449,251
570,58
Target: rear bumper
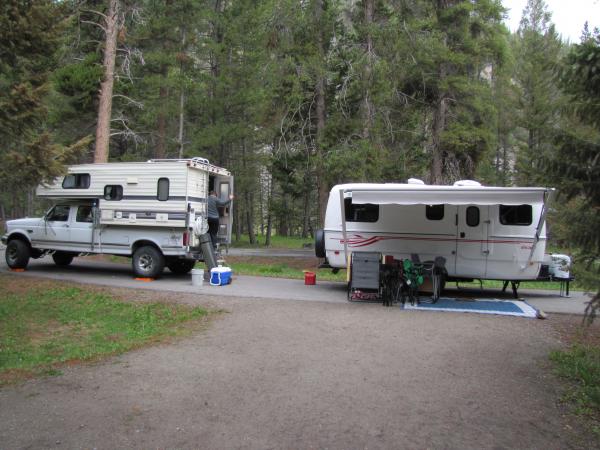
x,y
4,239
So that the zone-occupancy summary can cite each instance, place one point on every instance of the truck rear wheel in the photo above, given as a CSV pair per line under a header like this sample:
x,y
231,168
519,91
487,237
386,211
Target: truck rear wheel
x,y
17,254
181,266
148,262
62,258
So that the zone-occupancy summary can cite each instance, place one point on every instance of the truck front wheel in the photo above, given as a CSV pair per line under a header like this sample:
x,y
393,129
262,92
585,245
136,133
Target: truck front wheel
x,y
181,266
148,262
62,258
17,254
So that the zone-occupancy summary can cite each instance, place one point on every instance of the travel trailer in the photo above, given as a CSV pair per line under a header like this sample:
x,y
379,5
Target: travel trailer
x,y
481,232
153,211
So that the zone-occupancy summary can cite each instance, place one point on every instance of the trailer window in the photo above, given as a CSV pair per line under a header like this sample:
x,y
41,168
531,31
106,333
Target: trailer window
x,y
516,215
434,212
76,181
472,216
163,189
360,213
113,192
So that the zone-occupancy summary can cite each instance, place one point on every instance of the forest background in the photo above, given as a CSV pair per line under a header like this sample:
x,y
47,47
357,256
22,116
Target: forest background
x,y
294,96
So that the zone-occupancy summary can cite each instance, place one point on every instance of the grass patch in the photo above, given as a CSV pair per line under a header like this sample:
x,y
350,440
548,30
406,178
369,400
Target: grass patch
x,y
549,285
42,328
279,242
283,271
580,364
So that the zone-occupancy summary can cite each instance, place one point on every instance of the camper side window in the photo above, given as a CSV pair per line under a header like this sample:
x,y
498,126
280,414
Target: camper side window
x,y
113,192
434,212
76,181
162,189
516,215
360,213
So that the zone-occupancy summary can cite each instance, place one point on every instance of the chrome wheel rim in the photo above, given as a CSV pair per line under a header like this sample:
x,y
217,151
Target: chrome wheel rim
x,y
12,253
145,263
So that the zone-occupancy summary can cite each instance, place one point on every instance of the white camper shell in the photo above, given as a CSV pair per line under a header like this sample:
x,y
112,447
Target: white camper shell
x,y
482,232
118,208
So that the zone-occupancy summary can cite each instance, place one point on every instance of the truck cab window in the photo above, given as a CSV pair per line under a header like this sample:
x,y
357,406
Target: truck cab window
x,y
520,215
76,181
163,189
113,192
84,214
360,213
434,212
60,213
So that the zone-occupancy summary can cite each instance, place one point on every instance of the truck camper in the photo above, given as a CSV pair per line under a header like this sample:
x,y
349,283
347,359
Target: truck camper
x,y
153,211
481,232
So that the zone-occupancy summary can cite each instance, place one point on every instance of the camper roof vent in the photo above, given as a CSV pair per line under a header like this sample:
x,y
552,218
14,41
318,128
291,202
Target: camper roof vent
x,y
467,183
415,181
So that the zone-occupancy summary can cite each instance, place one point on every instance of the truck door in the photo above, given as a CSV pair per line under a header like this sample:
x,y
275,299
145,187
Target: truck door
x,y
82,227
472,241
223,188
56,229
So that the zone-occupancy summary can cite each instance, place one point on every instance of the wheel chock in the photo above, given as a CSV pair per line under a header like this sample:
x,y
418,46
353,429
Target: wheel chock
x,y
145,280
17,270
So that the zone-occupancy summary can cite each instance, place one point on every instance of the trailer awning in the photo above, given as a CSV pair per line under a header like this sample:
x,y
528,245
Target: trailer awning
x,y
442,195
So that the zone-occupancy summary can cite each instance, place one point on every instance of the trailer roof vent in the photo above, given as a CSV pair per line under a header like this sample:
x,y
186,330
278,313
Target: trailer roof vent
x,y
467,183
415,181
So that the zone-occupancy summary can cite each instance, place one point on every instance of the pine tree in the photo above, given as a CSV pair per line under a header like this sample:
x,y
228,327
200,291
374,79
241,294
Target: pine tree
x,y
465,41
29,39
537,51
576,162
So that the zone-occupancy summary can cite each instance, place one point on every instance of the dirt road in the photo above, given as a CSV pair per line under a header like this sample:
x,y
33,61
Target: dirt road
x,y
281,374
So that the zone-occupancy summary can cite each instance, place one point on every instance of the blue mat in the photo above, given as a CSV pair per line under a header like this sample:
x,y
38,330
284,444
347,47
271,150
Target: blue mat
x,y
480,306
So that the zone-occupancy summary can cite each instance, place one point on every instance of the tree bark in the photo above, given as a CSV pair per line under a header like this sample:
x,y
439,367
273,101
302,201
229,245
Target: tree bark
x,y
322,185
269,213
368,72
181,97
161,121
438,127
111,26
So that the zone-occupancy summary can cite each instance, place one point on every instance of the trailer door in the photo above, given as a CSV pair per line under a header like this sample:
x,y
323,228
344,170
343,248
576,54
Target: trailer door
x,y
472,241
224,187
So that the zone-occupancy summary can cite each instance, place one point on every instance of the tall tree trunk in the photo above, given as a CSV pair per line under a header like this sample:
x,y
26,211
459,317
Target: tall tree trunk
x,y
271,192
111,27
367,106
306,214
181,96
161,120
322,185
249,199
438,127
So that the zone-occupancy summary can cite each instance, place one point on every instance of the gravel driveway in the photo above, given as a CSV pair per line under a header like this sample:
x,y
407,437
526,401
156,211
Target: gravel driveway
x,y
281,374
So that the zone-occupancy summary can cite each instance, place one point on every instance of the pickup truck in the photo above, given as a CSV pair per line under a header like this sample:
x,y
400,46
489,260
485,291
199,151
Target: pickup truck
x,y
71,229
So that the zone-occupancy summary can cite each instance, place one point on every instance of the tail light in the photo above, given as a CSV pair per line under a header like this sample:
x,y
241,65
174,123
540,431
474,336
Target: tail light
x,y
186,238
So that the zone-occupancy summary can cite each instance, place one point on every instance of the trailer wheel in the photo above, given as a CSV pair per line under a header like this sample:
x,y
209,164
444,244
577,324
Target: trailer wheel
x,y
181,266
320,244
148,262
17,254
62,258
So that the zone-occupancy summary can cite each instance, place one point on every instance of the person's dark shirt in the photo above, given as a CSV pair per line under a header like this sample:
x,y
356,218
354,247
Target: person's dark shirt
x,y
213,204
